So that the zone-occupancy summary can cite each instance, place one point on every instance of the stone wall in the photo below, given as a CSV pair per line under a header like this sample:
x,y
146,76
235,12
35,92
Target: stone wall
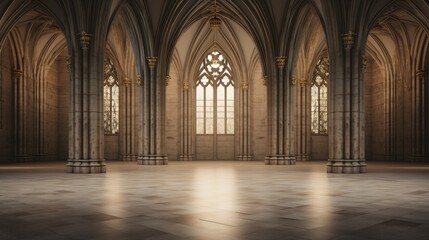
x,y
6,107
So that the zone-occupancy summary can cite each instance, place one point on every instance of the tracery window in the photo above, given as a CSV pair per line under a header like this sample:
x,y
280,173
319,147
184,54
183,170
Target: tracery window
x,y
111,98
215,96
319,97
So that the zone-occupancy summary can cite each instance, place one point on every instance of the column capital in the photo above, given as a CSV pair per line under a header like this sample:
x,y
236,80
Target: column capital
x,y
364,62
293,80
84,39
245,85
348,39
17,74
151,61
68,62
139,80
280,61
302,82
167,80
421,73
186,85
126,82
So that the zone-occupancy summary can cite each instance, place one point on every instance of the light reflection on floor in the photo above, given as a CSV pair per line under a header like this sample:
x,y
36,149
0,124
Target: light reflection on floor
x,y
214,200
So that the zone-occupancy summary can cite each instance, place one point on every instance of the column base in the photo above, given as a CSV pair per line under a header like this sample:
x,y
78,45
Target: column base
x,y
128,158
418,158
86,166
347,166
152,160
280,160
245,158
301,158
186,158
22,158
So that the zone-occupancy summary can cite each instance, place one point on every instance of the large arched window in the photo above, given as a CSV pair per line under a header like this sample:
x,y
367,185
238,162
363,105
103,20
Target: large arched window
x,y
215,96
111,98
319,97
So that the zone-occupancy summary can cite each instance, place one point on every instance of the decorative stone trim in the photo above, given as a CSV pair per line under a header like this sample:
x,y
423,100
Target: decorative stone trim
x,y
167,80
151,61
293,80
245,85
186,85
139,80
126,82
348,40
68,62
364,62
84,39
421,74
17,74
280,62
303,82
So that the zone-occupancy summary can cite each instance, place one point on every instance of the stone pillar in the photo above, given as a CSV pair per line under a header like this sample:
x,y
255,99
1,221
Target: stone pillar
x,y
127,132
186,143
419,121
86,131
303,112
280,117
153,119
20,124
347,131
244,142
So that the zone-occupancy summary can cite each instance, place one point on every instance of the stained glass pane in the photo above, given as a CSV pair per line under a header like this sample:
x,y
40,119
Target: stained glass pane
x,y
319,97
215,92
111,98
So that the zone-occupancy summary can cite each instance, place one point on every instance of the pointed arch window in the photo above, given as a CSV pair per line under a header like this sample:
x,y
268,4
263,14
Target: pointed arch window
x,y
319,97
111,98
215,96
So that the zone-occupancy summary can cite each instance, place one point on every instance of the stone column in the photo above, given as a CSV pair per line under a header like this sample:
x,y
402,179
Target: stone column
x,y
86,131
153,119
303,135
244,143
20,125
126,135
347,133
280,129
186,143
419,121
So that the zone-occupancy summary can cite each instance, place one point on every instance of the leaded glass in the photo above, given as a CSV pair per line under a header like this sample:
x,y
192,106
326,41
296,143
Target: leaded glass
x,y
215,92
319,97
111,98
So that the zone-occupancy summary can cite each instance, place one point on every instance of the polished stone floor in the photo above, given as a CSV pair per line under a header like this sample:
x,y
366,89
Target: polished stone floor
x,y
214,200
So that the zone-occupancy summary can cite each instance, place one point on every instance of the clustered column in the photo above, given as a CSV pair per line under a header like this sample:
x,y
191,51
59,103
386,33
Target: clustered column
x,y
20,117
303,121
280,124
86,142
347,141
186,124
419,118
152,119
127,133
244,141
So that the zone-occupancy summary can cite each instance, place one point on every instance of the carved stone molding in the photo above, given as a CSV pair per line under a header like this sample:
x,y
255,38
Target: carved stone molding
x,y
421,74
84,39
17,74
280,62
126,82
302,82
245,85
185,85
151,61
293,80
348,40
364,62
139,80
167,80
68,62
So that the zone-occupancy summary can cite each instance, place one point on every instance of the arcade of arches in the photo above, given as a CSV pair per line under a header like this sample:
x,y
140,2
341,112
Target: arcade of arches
x,y
273,81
